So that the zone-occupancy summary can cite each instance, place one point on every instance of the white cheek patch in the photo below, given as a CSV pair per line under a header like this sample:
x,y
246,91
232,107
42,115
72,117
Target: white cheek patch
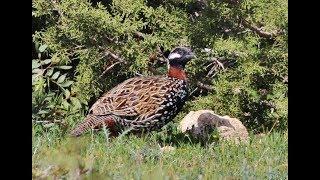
x,y
174,55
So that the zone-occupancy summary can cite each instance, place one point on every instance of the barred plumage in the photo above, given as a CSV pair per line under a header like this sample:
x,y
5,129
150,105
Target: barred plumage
x,y
96,122
141,103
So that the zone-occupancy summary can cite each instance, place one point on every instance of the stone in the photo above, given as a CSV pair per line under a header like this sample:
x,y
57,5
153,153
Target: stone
x,y
196,123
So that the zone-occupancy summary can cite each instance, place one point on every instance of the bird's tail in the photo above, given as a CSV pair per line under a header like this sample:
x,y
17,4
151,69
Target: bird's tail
x,y
92,122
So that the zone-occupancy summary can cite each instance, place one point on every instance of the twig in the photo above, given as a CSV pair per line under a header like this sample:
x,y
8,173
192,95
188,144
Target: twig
x,y
138,35
114,40
193,91
114,56
257,30
138,74
204,86
216,64
108,68
243,32
274,124
213,71
219,63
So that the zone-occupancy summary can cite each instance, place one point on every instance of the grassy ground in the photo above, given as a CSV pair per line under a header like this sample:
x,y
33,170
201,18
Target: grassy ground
x,y
130,157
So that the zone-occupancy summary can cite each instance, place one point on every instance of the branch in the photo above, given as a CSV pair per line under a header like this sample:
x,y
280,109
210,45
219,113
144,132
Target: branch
x,y
138,35
216,65
191,94
205,86
138,74
202,86
257,30
114,56
111,40
219,63
108,68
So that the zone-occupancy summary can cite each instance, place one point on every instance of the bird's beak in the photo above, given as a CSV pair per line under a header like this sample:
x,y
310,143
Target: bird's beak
x,y
190,56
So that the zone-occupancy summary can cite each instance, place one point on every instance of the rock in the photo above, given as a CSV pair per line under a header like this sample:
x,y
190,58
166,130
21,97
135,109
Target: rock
x,y
198,122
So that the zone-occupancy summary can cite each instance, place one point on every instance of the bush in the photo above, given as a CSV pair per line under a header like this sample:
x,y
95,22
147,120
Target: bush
x,y
83,48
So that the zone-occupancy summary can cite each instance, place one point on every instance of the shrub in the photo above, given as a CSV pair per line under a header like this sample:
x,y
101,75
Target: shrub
x,y
94,45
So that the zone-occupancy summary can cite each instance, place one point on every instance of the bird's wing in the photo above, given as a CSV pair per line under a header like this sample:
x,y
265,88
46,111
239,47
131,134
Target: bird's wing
x,y
139,96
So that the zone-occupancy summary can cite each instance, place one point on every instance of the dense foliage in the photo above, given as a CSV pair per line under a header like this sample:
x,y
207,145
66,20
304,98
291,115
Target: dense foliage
x,y
82,48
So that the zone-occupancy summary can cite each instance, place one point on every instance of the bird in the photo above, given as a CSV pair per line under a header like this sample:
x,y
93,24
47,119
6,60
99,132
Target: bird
x,y
142,103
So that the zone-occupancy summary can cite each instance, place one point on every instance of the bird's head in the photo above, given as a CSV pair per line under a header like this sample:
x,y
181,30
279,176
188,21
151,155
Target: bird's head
x,y
180,56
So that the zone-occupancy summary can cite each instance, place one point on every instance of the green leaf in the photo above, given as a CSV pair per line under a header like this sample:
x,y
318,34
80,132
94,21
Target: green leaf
x,y
48,125
76,103
49,72
34,78
43,47
65,104
67,93
36,45
83,101
65,67
43,112
37,71
35,64
48,98
67,84
51,94
47,61
55,75
61,78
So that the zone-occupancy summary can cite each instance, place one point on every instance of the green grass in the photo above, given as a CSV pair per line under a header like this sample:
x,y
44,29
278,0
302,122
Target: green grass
x,y
132,157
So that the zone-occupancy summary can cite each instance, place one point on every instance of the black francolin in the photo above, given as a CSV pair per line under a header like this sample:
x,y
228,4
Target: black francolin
x,y
141,103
